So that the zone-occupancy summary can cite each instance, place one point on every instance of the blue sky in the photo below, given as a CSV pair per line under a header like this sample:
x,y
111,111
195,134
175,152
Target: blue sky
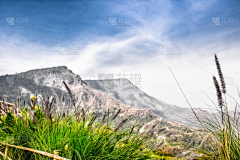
x,y
147,38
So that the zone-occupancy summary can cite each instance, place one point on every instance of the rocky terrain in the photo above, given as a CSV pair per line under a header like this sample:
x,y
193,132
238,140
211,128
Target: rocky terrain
x,y
128,94
137,106
49,81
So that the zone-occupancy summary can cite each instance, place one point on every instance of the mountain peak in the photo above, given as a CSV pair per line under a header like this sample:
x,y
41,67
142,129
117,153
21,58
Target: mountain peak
x,y
50,69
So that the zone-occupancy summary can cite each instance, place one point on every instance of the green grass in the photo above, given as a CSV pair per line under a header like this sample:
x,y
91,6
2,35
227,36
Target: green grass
x,y
74,138
76,134
222,128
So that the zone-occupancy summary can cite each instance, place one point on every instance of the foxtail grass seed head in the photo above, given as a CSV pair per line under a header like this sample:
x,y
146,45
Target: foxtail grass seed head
x,y
131,130
219,93
120,125
83,115
95,117
69,92
43,99
115,116
62,98
104,117
34,102
20,95
153,126
33,117
161,130
139,128
224,90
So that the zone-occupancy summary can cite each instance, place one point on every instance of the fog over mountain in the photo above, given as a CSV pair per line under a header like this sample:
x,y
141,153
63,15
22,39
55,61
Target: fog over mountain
x,y
129,94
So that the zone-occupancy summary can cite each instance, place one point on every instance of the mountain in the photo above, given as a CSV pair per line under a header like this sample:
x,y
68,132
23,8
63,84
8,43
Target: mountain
x,y
129,94
143,111
120,92
49,80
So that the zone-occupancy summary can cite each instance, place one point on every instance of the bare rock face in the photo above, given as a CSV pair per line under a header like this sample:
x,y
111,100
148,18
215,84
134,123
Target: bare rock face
x,y
49,79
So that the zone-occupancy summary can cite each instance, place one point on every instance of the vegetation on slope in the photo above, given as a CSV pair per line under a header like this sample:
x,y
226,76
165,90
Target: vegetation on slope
x,y
76,134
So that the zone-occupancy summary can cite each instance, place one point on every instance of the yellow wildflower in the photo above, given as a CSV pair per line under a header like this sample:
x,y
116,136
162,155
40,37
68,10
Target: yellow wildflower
x,y
37,107
66,147
32,97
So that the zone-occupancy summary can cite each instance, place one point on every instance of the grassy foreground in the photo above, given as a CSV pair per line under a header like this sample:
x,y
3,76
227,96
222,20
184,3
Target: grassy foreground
x,y
77,134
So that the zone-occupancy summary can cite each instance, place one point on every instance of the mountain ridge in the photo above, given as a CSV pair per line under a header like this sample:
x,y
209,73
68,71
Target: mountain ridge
x,y
131,95
121,90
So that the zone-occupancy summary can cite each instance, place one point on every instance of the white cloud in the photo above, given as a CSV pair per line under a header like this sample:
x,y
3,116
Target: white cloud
x,y
138,51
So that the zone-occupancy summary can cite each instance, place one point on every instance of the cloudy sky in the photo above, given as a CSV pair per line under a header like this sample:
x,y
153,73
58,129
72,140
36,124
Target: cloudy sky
x,y
128,38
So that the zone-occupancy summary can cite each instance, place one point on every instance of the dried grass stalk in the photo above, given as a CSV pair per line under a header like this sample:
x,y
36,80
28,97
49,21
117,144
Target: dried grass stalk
x,y
37,151
5,156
